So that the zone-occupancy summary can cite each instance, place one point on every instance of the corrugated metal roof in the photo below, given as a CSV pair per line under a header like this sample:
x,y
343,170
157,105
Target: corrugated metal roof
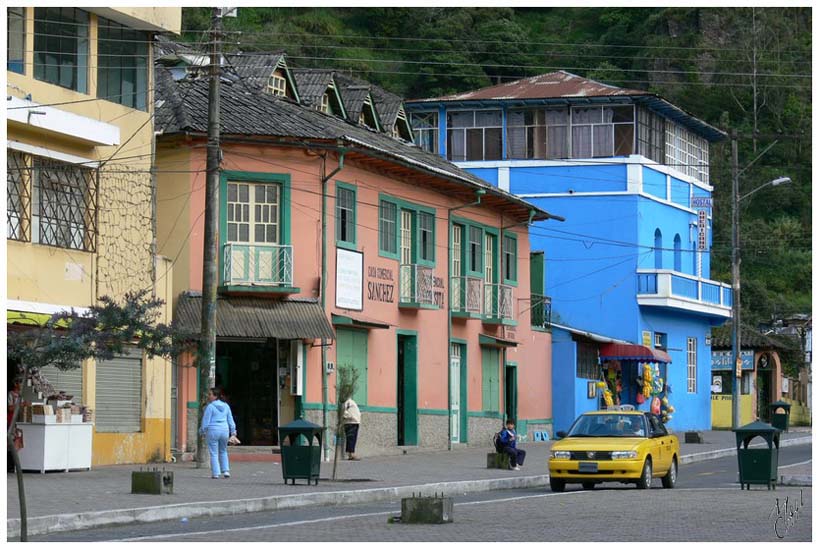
x,y
550,85
249,317
750,339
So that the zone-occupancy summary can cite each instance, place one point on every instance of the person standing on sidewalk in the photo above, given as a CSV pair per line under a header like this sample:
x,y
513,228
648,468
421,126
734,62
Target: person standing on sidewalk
x,y
351,419
508,438
217,426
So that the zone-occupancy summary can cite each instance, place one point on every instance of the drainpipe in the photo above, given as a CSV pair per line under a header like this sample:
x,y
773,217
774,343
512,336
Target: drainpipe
x,y
479,193
325,179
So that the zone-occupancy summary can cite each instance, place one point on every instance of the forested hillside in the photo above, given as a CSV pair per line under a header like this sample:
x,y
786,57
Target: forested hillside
x,y
741,69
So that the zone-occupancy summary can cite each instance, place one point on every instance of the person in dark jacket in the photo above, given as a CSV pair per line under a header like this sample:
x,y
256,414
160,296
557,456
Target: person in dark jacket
x,y
217,425
508,439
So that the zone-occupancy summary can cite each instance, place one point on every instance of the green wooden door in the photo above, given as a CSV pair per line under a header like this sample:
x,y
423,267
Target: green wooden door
x,y
407,402
511,392
351,349
489,379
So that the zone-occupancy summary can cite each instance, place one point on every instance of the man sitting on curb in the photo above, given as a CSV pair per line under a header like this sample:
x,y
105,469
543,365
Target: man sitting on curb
x,y
507,438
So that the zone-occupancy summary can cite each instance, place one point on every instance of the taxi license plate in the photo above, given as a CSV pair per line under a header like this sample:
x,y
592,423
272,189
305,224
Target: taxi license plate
x,y
588,467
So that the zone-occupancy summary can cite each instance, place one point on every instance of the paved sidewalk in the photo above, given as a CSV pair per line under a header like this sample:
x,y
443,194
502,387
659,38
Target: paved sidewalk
x,y
101,496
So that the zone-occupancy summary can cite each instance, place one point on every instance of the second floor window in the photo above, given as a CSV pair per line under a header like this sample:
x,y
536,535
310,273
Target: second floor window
x,y
253,213
474,135
61,47
122,65
691,365
388,213
51,202
510,258
345,215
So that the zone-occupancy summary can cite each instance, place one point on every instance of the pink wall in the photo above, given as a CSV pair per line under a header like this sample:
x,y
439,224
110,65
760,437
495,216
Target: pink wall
x,y
533,353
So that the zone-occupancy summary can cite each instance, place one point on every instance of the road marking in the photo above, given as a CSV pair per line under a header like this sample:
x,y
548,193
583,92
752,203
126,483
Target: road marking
x,y
795,464
332,518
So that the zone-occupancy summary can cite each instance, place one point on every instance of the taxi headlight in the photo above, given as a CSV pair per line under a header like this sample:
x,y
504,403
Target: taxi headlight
x,y
560,454
624,454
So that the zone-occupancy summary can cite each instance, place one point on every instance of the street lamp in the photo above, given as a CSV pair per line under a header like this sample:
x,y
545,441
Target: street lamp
x,y
736,198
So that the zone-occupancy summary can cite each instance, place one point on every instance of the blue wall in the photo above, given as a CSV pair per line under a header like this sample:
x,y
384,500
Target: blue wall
x,y
562,179
563,380
489,175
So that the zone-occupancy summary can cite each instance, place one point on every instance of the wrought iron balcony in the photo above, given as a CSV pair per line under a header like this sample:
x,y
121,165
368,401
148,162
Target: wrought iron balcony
x,y
667,288
467,295
268,265
540,311
415,286
498,302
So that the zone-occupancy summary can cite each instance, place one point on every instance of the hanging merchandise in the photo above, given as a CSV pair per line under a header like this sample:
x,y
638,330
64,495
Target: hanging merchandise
x,y
647,380
608,398
656,406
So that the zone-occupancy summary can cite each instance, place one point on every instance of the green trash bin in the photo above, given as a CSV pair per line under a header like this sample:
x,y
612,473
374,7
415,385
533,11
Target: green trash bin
x,y
301,458
780,419
757,466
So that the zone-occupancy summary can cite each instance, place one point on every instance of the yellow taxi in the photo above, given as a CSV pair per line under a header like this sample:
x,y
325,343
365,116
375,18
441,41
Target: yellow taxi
x,y
614,445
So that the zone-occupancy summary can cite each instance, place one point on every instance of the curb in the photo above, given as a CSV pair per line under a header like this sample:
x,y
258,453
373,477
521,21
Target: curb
x,y
795,481
42,525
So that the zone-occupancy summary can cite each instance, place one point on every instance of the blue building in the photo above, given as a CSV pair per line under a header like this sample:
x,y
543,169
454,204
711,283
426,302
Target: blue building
x,y
631,265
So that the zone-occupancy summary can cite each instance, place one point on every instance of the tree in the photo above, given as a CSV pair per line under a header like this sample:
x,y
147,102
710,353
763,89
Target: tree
x,y
347,379
67,339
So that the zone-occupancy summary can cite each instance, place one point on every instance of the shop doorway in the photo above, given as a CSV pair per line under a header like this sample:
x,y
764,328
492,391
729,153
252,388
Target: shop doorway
x,y
407,390
247,371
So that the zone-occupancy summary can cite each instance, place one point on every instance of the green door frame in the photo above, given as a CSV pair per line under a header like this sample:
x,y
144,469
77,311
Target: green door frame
x,y
409,338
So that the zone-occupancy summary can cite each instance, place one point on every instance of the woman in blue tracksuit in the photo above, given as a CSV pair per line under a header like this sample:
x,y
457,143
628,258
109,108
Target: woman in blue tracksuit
x,y
217,425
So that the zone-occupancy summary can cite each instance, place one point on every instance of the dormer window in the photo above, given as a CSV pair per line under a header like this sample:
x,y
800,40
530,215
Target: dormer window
x,y
362,119
277,85
325,107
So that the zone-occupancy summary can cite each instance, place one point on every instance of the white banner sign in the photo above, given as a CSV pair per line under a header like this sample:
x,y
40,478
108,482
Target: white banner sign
x,y
349,279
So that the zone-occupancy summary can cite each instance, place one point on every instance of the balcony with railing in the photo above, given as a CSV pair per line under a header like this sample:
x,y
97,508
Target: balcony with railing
x,y
540,312
416,286
258,267
466,296
498,304
665,288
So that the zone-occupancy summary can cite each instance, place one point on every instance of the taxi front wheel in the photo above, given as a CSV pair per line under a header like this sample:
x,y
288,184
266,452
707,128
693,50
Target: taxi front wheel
x,y
671,477
646,475
557,485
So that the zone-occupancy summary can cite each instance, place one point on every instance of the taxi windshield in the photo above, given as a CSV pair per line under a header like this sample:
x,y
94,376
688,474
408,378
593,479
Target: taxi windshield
x,y
608,425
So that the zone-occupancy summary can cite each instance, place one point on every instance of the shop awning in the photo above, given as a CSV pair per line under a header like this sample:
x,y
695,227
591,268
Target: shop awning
x,y
633,352
495,342
250,317
356,321
37,314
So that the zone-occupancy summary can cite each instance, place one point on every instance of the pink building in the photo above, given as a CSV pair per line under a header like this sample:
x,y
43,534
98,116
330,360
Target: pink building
x,y
341,245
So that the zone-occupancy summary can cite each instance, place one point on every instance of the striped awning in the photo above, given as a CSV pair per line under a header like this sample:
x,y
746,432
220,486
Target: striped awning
x,y
250,317
634,352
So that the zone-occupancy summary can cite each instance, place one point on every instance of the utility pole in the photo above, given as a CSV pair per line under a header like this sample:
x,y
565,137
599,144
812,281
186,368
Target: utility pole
x,y
207,340
736,360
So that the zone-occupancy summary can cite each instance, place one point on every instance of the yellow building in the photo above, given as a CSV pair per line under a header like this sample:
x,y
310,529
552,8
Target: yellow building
x,y
81,201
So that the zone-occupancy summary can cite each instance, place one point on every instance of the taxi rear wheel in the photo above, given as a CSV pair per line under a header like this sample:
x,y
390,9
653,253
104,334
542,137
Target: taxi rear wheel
x,y
671,477
646,475
557,485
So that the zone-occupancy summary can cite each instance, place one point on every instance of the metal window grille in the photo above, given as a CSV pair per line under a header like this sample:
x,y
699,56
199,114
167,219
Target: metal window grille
x,y
64,205
18,198
691,365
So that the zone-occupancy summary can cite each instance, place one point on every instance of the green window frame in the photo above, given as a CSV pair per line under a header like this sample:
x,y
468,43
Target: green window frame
x,y
61,47
510,256
426,240
345,215
122,65
388,229
474,251
423,230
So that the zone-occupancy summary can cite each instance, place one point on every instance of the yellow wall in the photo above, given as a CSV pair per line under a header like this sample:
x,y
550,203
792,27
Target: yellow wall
x,y
800,415
124,259
722,411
